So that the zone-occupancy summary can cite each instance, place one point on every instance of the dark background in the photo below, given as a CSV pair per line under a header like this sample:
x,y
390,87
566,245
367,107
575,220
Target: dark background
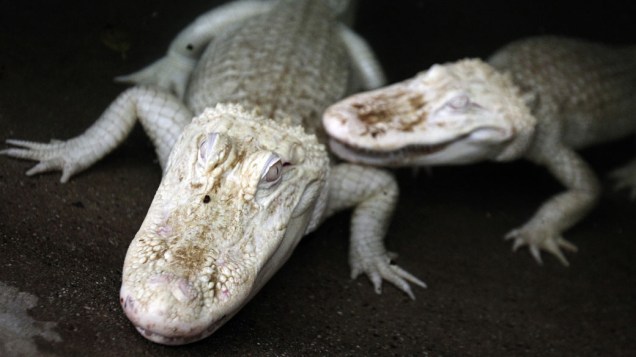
x,y
65,244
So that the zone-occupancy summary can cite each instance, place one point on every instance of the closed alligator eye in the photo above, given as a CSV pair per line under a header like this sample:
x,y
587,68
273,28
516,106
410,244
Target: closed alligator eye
x,y
459,102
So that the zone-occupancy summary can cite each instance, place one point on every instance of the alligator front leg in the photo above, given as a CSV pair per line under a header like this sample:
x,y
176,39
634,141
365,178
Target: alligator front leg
x,y
172,72
562,211
373,193
161,114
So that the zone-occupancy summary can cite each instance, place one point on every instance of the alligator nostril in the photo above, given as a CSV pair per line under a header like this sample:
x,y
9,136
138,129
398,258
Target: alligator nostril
x,y
128,304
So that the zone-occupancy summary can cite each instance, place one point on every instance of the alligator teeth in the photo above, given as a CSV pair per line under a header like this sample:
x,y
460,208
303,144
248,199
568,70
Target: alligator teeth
x,y
409,150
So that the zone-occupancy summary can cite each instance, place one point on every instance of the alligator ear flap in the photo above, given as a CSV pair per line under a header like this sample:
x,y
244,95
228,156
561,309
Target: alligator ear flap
x,y
295,156
435,73
436,78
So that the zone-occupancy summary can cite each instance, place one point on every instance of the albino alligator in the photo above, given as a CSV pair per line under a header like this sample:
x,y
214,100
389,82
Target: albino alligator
x,y
538,98
244,181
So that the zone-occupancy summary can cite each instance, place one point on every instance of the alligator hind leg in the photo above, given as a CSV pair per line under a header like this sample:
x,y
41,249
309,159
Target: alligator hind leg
x,y
161,114
172,72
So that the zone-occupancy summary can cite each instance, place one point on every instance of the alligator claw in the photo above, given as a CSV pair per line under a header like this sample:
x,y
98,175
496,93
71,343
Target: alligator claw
x,y
538,240
379,268
56,155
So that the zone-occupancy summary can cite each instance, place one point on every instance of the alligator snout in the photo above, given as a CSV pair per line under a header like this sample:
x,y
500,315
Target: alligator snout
x,y
168,309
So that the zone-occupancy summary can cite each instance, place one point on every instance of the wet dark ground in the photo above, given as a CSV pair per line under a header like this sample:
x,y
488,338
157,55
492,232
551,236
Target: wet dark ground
x,y
65,244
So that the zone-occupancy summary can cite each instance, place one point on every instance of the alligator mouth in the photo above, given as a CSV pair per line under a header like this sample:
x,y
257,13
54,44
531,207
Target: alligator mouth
x,y
180,340
174,336
387,157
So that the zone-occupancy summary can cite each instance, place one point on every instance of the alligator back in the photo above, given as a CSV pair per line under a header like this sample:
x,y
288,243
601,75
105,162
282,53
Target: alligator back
x,y
588,86
289,63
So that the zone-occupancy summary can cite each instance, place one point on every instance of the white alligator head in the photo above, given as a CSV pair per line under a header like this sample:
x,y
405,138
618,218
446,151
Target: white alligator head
x,y
239,191
455,113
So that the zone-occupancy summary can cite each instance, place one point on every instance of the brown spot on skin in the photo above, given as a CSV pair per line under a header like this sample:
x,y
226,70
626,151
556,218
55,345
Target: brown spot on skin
x,y
410,109
240,156
421,117
370,112
190,258
416,101
216,185
196,185
403,109
375,132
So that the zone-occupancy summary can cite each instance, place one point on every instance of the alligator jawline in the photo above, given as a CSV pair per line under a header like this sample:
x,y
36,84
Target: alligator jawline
x,y
405,151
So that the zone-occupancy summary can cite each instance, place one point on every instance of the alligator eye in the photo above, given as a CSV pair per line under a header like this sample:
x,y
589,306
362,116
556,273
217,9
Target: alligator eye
x,y
459,102
273,171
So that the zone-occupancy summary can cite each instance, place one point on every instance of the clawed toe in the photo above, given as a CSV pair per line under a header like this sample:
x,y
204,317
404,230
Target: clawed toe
x,y
536,241
52,156
379,269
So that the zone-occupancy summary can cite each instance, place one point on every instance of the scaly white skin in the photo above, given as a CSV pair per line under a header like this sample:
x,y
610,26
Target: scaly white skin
x,y
238,194
433,119
260,58
160,113
347,184
469,111
156,102
172,72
